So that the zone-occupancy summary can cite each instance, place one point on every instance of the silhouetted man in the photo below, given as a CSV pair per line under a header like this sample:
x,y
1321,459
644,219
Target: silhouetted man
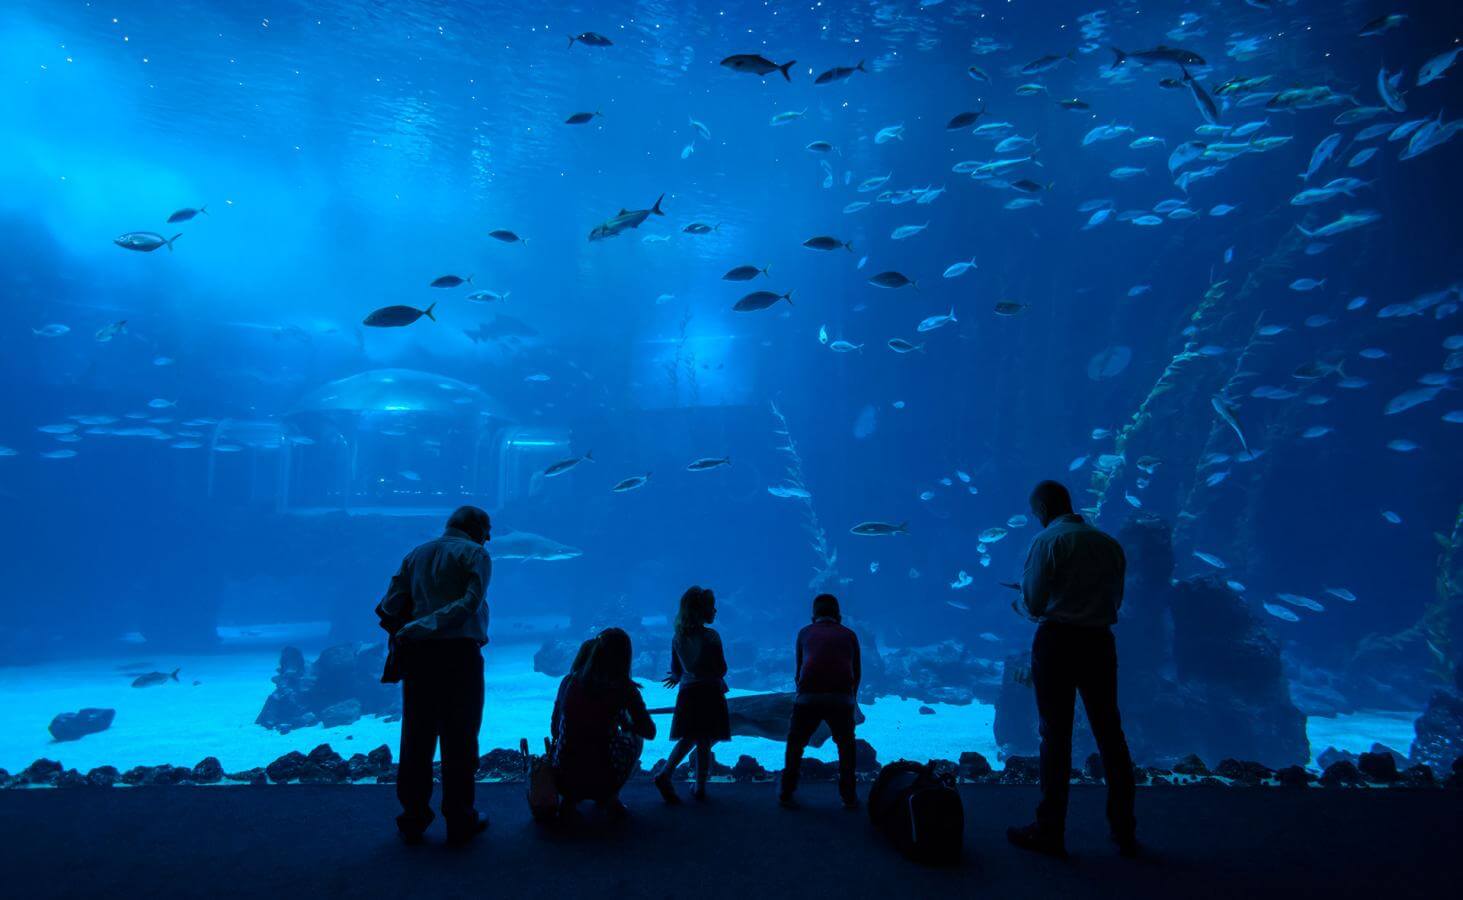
x,y
437,613
827,673
1073,585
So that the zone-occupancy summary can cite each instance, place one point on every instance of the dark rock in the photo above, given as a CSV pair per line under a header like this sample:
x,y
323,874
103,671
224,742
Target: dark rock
x,y
42,771
71,779
323,766
1439,741
1191,765
1342,773
1397,757
947,770
286,768
1332,755
748,769
1294,776
925,711
947,672
818,770
208,771
380,758
343,713
73,726
1378,767
1455,780
156,776
1092,768
1243,771
340,686
865,758
1021,770
1418,776
255,775
501,765
103,776
973,766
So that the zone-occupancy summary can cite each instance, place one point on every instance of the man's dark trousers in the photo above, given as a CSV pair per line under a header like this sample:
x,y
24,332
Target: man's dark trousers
x,y
1067,660
442,700
806,717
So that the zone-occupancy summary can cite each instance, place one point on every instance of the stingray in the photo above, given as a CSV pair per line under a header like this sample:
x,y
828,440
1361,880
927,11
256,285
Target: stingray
x,y
767,716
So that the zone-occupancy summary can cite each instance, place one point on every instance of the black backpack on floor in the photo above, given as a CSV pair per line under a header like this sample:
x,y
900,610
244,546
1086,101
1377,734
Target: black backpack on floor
x,y
918,811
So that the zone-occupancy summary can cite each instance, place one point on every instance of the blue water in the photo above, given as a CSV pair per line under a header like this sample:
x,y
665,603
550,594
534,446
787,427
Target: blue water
x,y
349,154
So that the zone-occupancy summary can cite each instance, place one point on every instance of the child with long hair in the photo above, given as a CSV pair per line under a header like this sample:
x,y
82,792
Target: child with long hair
x,y
698,669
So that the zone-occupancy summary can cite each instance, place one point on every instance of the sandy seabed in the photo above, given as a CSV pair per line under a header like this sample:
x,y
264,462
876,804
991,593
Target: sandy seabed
x,y
181,723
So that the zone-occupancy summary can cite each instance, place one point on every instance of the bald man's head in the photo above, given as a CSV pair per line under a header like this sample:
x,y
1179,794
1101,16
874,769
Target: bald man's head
x,y
1049,499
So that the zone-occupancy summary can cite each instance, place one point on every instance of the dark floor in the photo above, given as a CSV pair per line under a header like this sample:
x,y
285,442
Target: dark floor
x,y
313,841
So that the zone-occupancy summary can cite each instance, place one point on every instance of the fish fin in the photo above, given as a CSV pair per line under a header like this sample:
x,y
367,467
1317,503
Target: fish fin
x,y
175,674
952,315
767,270
170,240
903,528
784,67
788,298
860,67
505,295
571,43
203,209
914,284
469,279
589,455
848,245
428,312
656,208
1072,55
1119,57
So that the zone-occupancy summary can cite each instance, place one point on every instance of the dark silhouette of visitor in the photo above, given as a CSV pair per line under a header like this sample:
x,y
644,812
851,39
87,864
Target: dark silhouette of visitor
x,y
698,667
1073,585
599,725
437,614
827,673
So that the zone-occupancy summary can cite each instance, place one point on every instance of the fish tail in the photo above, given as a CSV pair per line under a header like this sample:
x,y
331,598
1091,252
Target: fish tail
x,y
505,295
788,298
428,312
1119,57
203,209
848,245
175,674
589,455
469,279
170,240
860,67
767,270
571,43
784,67
914,284
902,528
656,208
952,315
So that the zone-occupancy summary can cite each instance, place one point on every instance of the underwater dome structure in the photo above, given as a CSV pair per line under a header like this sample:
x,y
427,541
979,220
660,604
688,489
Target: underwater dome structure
x,y
395,442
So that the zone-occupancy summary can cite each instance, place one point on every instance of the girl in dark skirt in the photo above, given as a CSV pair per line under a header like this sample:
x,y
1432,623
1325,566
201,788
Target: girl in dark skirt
x,y
698,667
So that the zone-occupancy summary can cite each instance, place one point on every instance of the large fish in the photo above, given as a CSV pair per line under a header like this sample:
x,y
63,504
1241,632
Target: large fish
x,y
761,300
145,241
1159,54
526,546
397,316
152,679
1227,413
1202,100
626,218
1323,152
757,64
879,529
837,73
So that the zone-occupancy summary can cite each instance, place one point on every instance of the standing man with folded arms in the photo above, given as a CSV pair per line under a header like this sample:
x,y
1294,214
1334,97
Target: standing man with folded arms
x,y
436,611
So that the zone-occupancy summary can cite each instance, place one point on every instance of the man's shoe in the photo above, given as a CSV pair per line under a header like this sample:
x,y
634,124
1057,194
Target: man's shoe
x,y
1032,837
458,835
1127,845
